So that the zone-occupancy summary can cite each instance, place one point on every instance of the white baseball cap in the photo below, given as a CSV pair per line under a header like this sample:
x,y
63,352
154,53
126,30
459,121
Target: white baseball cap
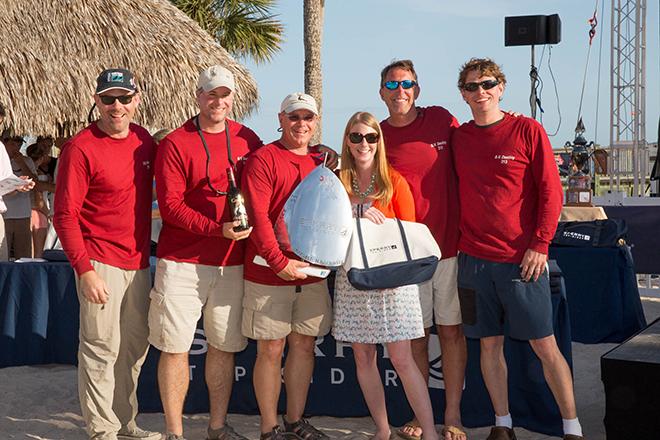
x,y
214,77
299,101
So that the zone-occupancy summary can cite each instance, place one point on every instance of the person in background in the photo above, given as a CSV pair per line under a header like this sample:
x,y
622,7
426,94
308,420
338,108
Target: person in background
x,y
19,206
6,171
386,316
37,160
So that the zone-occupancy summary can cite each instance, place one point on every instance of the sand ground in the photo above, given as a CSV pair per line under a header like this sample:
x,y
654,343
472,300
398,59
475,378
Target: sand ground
x,y
41,403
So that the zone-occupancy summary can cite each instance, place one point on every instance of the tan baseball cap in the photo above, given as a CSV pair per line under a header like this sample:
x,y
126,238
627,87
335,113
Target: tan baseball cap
x,y
299,101
214,77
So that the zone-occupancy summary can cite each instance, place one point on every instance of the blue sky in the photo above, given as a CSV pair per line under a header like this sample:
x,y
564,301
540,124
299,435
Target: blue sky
x,y
362,36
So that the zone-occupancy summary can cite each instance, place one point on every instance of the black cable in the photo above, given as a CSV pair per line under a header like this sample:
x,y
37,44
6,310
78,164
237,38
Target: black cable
x,y
554,82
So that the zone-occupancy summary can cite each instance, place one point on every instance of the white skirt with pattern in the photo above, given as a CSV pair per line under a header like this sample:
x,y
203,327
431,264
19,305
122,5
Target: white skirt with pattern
x,y
375,316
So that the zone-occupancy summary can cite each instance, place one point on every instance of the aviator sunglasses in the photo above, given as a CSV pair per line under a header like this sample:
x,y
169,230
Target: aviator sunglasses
x,y
356,138
109,100
405,84
486,85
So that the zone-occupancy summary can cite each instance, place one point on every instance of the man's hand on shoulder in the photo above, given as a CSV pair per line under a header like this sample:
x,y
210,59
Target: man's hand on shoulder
x,y
290,272
333,156
512,113
93,288
532,265
228,231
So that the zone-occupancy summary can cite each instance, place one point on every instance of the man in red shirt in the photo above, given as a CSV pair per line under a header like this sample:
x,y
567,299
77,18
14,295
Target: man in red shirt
x,y
282,305
418,145
200,256
506,170
103,219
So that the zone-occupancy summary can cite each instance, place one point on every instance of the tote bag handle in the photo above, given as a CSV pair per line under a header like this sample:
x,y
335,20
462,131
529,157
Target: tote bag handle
x,y
402,231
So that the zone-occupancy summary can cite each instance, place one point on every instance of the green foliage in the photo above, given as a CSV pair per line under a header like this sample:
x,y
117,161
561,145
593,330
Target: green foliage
x,y
243,28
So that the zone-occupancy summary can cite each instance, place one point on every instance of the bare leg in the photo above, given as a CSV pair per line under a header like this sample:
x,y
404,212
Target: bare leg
x,y
219,374
298,374
173,380
267,380
414,385
420,352
454,362
494,371
368,376
557,374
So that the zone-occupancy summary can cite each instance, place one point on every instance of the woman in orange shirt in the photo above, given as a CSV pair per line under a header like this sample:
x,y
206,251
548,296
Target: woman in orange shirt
x,y
387,316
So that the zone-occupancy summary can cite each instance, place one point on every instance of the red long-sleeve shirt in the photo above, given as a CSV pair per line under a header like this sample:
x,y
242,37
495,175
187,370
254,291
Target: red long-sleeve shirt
x,y
192,213
103,201
510,191
270,176
421,152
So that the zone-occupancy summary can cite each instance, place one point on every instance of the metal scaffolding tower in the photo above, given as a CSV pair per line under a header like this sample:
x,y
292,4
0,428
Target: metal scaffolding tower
x,y
628,157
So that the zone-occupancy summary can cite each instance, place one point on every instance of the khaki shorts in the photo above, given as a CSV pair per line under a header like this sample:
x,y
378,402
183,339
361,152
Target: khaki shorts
x,y
439,295
272,312
181,292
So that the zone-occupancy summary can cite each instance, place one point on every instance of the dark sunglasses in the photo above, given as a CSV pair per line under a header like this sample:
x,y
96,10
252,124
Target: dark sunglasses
x,y
109,100
405,84
486,85
296,118
356,138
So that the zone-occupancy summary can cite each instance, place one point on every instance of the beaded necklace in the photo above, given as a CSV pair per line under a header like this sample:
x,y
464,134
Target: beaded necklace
x,y
368,191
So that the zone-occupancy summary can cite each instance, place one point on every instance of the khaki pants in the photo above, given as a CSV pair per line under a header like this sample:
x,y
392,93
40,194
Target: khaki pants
x,y
113,346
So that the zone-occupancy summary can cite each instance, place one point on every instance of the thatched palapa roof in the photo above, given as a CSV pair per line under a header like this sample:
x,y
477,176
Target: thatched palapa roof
x,y
51,52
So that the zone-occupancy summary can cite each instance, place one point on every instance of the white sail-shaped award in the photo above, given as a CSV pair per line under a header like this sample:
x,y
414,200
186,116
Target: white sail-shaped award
x,y
318,219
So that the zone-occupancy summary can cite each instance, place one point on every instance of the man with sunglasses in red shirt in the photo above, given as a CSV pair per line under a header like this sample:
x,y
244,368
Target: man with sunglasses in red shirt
x,y
417,141
506,168
103,219
200,252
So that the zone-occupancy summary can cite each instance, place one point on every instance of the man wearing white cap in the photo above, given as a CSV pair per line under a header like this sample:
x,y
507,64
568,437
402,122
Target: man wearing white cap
x,y
200,256
282,305
103,218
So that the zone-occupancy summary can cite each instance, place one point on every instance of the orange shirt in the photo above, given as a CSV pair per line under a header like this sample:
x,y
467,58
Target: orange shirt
x,y
402,205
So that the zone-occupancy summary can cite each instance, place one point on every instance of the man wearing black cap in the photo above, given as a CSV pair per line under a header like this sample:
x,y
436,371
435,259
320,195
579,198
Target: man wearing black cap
x,y
103,218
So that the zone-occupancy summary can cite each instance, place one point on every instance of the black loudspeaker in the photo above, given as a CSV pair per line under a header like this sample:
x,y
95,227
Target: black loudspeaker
x,y
631,376
532,30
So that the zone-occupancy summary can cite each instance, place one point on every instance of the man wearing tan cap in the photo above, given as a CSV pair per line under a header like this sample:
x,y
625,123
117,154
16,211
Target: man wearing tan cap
x,y
200,256
282,305
103,219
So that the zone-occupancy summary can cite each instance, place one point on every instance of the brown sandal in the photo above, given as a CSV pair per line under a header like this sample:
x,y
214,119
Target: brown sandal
x,y
304,430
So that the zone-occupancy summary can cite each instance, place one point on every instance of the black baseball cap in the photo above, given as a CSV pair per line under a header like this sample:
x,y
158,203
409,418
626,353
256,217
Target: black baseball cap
x,y
111,79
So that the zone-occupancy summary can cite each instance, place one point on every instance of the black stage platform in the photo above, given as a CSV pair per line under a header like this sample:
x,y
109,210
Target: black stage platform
x,y
631,375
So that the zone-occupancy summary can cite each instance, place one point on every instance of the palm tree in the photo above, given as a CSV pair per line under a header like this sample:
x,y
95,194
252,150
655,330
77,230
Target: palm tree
x,y
313,37
245,28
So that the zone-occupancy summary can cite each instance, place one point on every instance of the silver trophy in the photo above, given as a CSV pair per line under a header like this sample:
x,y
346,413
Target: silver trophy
x,y
319,219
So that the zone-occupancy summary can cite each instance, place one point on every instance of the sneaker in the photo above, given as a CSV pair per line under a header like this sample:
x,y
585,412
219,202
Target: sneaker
x,y
303,429
501,433
278,434
138,434
224,433
170,436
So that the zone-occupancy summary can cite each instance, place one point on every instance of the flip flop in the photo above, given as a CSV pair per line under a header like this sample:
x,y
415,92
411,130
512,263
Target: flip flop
x,y
453,430
404,435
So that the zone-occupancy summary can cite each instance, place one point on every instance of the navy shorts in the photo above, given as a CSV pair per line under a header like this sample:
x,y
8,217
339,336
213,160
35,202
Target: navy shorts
x,y
495,301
